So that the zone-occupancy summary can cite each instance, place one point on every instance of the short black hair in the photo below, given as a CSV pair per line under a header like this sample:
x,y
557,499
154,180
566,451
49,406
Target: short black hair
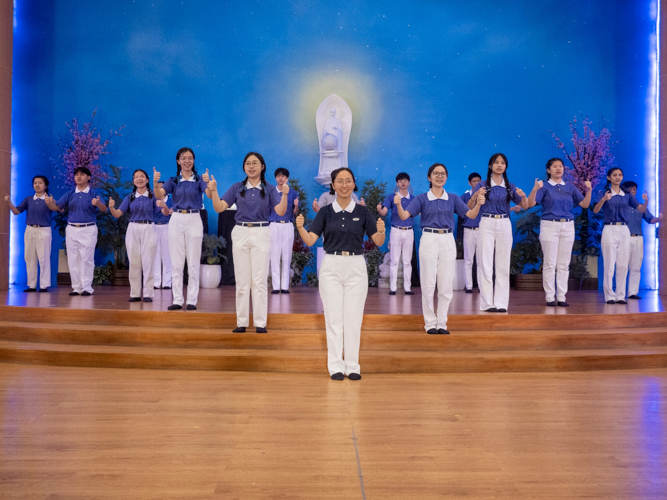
x,y
82,169
628,185
402,176
281,171
473,175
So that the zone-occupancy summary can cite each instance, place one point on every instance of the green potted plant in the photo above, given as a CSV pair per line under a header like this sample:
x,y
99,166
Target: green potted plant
x,y
210,272
373,193
526,256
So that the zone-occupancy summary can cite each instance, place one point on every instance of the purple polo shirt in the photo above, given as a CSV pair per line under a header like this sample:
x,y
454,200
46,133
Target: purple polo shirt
x,y
618,208
141,208
289,214
635,220
470,223
80,206
395,218
557,200
252,207
186,195
437,213
160,218
38,213
496,201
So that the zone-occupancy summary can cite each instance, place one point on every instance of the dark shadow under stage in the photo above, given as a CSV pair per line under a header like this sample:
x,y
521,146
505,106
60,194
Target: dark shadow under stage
x,y
105,330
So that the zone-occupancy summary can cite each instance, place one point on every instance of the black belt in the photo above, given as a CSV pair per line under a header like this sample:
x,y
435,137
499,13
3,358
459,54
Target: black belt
x,y
636,235
615,224
495,216
558,220
161,223
37,225
81,225
402,228
471,228
280,222
436,231
196,211
345,254
252,224
142,222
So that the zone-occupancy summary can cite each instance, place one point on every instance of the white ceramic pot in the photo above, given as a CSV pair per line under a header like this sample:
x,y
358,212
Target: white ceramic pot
x,y
210,275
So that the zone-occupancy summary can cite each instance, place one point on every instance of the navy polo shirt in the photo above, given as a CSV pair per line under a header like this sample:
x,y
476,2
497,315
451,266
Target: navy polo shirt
x,y
395,218
437,213
635,220
344,230
557,200
470,223
38,213
186,195
496,200
80,205
618,208
252,207
160,218
141,208
289,214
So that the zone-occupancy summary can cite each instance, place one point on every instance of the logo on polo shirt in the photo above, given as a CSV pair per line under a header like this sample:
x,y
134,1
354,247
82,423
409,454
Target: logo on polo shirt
x,y
355,219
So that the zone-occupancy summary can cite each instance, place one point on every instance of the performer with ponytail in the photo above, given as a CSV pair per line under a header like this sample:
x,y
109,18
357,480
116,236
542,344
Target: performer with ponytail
x,y
251,238
615,243
186,230
37,237
141,238
495,233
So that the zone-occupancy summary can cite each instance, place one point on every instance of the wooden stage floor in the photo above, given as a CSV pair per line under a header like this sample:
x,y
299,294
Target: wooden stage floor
x,y
306,300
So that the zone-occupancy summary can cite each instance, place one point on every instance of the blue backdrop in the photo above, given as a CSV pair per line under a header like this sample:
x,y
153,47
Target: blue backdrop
x,y
427,81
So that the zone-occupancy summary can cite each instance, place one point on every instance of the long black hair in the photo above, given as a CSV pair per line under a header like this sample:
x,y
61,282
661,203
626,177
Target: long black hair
x,y
335,173
178,167
261,175
490,171
431,169
134,189
551,162
607,186
46,182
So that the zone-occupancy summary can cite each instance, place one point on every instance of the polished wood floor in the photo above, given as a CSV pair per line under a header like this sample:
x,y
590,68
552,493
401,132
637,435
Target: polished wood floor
x,y
305,300
83,433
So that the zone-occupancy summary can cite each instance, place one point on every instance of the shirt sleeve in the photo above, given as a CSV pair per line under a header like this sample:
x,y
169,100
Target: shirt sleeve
x,y
64,200
515,196
632,200
202,185
230,195
387,202
415,206
460,208
465,197
23,206
275,197
577,197
320,222
169,185
539,196
647,216
477,188
125,204
370,226
93,195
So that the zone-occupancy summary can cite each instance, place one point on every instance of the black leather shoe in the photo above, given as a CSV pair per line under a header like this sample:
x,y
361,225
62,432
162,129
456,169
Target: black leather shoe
x,y
30,290
135,299
468,290
563,304
432,331
621,302
74,293
409,293
148,299
86,294
259,329
338,376
239,329
273,292
166,288
390,292
501,310
611,302
442,331
191,307
157,288
491,310
43,290
637,297
174,307
284,291
354,376
552,303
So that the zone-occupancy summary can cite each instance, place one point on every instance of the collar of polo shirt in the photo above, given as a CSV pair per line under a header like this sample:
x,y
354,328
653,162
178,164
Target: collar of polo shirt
x,y
137,195
502,183
553,183
189,179
77,190
337,208
621,193
407,197
35,197
432,197
249,186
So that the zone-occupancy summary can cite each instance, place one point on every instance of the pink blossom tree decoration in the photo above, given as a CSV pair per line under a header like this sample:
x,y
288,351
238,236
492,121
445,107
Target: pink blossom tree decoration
x,y
83,149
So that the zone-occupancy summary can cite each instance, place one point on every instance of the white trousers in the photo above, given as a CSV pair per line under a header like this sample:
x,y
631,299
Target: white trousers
x,y
556,239
437,259
80,243
140,241
343,290
470,237
162,266
185,235
251,248
37,249
636,260
401,242
282,241
615,245
494,234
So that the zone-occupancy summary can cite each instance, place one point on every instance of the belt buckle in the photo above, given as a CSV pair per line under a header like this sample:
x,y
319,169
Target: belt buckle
x,y
249,224
619,224
282,222
496,216
441,231
346,254
184,211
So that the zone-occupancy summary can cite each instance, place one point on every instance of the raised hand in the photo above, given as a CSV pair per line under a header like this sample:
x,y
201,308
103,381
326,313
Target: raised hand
x,y
7,198
112,203
397,199
156,176
159,203
296,202
379,207
96,201
316,205
49,199
285,189
211,185
645,196
362,202
299,221
205,177
659,217
520,192
588,185
481,199
380,226
607,196
538,184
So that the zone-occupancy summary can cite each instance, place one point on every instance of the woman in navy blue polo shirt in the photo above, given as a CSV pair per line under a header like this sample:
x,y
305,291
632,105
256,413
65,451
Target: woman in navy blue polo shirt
x,y
495,234
343,275
251,237
141,238
37,238
186,230
557,228
82,203
615,235
437,248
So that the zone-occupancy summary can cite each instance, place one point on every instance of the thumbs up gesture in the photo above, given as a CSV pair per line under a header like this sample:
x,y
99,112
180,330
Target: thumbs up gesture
x,y
397,199
588,185
156,176
362,202
285,189
212,184
96,201
607,196
299,221
538,184
645,196
48,199
380,226
520,192
205,177
316,205
481,197
112,203
159,203
296,202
